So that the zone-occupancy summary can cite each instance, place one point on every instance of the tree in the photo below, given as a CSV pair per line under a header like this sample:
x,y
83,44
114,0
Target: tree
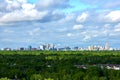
x,y
4,78
36,77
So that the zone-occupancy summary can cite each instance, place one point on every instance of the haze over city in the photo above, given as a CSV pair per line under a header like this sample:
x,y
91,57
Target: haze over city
x,y
60,22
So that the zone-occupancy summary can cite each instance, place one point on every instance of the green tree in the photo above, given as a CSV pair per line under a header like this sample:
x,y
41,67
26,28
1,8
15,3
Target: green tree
x,y
36,77
4,78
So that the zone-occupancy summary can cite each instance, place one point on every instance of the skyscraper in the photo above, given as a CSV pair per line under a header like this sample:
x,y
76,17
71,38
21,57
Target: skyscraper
x,y
29,47
47,47
42,47
106,47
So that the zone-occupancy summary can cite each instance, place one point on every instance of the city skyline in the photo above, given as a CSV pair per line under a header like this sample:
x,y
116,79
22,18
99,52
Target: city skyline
x,y
53,47
64,23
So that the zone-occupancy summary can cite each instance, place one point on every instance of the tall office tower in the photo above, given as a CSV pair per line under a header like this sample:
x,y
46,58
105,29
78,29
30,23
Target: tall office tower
x,y
53,46
106,47
47,46
42,47
90,47
29,47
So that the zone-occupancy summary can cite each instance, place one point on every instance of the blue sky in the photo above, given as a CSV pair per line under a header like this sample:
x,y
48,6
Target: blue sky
x,y
60,22
33,1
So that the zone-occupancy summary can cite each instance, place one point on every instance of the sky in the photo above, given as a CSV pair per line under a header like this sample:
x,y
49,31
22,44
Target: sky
x,y
60,22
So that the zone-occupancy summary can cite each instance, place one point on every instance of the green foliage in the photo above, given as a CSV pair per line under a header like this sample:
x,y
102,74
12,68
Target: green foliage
x,y
36,77
58,65
48,79
4,78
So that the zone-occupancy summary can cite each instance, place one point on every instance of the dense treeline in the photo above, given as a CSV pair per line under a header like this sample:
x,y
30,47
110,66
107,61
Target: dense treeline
x,y
58,65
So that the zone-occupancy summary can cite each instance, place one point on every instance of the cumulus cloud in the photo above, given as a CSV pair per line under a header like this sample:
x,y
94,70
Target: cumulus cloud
x,y
28,6
70,34
82,17
21,10
67,18
51,16
22,15
58,23
52,4
113,16
11,5
77,27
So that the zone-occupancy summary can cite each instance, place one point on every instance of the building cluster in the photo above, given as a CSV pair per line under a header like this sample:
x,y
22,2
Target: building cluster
x,y
106,47
107,66
47,47
67,48
112,66
41,47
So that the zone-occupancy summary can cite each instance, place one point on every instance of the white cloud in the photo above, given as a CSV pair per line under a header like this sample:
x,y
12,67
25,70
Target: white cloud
x,y
84,32
8,31
69,34
63,29
20,10
12,5
46,3
52,4
107,26
34,32
114,34
22,1
22,15
28,6
86,38
67,18
113,16
117,27
8,1
5,24
77,27
95,35
82,17
6,39
115,31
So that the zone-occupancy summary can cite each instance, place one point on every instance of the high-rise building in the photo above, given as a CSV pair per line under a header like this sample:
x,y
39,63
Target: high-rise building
x,y
106,47
67,48
29,47
90,47
53,46
42,47
47,47
21,48
94,47
76,48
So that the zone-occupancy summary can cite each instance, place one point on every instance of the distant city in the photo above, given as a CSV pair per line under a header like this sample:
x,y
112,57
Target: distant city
x,y
52,47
